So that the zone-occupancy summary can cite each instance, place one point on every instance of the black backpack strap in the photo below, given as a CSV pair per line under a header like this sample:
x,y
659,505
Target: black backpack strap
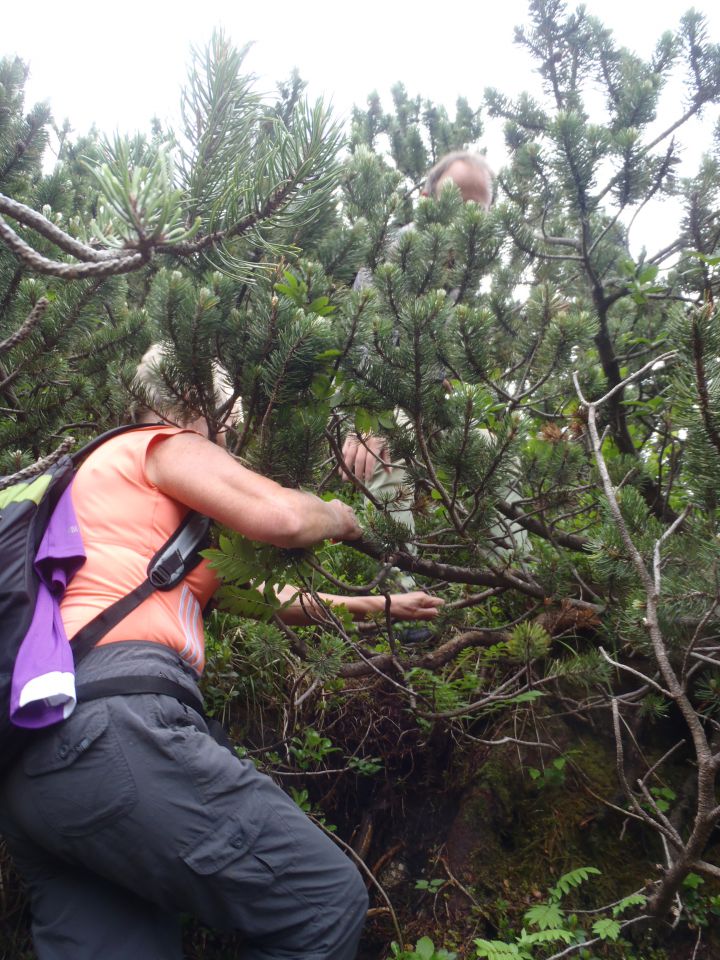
x,y
79,455
180,553
86,638
174,560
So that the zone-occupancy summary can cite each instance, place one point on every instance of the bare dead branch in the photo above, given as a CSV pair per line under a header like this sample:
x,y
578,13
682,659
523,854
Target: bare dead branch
x,y
366,870
39,466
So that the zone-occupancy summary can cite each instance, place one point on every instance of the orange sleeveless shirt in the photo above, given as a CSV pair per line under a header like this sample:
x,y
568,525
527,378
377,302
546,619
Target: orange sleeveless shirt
x,y
124,519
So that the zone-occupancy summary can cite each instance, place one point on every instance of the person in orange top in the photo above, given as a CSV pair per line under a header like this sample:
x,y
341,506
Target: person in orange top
x,y
129,813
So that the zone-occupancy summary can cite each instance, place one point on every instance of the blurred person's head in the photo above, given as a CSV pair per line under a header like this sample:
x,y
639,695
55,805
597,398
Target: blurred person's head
x,y
158,399
470,172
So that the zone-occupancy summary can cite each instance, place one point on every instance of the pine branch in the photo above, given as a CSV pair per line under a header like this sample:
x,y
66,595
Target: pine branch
x,y
662,172
11,289
50,342
711,870
508,580
46,228
67,271
707,815
618,412
437,658
711,428
27,327
35,121
361,590
273,203
568,540
689,113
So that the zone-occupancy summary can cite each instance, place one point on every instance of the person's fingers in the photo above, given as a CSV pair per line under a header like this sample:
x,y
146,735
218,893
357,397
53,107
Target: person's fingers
x,y
363,456
383,453
426,607
419,596
432,601
364,464
429,613
350,446
415,606
375,452
349,454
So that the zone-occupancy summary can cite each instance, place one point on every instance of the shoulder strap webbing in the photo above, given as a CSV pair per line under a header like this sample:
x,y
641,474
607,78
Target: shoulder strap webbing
x,y
86,638
179,554
79,455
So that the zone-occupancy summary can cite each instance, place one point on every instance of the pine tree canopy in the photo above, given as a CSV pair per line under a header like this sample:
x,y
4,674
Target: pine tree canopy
x,y
553,399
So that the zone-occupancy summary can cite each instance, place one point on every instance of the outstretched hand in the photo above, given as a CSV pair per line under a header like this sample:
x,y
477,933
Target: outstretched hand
x,y
362,457
414,606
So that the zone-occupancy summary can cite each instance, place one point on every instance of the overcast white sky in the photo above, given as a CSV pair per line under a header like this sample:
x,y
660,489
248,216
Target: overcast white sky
x,y
118,65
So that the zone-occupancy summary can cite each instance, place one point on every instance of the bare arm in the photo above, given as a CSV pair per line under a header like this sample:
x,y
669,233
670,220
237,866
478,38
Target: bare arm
x,y
302,610
204,477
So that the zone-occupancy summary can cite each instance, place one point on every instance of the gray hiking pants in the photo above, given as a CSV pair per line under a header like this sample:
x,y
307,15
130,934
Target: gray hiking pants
x,y
129,813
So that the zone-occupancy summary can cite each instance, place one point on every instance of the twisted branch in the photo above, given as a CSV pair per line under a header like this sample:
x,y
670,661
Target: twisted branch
x,y
67,271
39,466
27,327
46,228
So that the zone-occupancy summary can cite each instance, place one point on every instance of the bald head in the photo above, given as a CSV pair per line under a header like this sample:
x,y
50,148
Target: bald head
x,y
470,172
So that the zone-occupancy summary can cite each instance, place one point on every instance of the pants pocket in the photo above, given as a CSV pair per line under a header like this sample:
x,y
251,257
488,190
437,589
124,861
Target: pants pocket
x,y
247,852
78,776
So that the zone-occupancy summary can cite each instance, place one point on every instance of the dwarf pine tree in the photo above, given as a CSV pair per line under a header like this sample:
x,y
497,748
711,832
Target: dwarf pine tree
x,y
60,340
531,375
234,189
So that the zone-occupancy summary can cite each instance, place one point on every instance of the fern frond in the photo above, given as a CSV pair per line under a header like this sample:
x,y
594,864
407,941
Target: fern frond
x,y
568,881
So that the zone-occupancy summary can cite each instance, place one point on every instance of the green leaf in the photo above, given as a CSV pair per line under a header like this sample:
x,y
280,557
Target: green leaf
x,y
293,288
572,879
527,697
386,420
544,915
322,307
322,386
710,261
328,354
365,422
634,900
546,936
648,274
246,603
230,567
496,949
425,948
606,929
692,881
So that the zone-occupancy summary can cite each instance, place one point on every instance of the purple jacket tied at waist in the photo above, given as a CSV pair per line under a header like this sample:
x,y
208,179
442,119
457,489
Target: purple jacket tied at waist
x,y
43,682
